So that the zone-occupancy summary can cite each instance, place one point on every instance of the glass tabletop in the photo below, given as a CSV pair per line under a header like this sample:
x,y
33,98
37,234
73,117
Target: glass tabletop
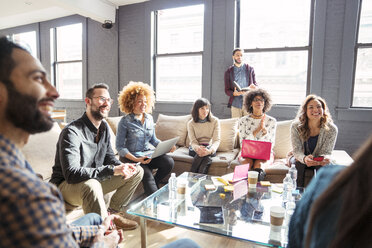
x,y
246,211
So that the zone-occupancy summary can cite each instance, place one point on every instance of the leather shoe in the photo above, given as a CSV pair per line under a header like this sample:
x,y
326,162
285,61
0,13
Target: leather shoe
x,y
261,174
122,222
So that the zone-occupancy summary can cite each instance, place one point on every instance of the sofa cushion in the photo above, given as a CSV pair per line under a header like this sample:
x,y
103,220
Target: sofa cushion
x,y
282,139
40,151
229,130
168,127
113,122
112,138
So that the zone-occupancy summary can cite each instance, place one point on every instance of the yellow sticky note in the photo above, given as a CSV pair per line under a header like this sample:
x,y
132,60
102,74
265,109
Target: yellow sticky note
x,y
228,188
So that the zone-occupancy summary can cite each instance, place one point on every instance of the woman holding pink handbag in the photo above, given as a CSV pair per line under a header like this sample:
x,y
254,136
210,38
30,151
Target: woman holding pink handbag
x,y
257,126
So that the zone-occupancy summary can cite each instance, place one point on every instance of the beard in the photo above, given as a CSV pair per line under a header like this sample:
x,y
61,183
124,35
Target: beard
x,y
96,114
237,62
22,111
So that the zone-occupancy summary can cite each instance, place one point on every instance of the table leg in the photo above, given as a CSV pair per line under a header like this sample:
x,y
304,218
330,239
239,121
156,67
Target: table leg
x,y
143,232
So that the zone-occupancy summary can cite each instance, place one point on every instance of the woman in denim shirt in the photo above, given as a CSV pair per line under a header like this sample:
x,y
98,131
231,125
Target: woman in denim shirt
x,y
136,134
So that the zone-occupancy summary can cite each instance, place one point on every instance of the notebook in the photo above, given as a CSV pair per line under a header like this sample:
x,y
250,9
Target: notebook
x,y
240,172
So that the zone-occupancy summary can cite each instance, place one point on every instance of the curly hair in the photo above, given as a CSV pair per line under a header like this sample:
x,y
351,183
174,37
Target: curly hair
x,y
248,99
128,95
303,128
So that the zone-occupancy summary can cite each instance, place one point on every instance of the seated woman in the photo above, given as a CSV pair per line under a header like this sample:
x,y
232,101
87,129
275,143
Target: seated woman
x,y
204,134
335,210
257,125
136,132
313,134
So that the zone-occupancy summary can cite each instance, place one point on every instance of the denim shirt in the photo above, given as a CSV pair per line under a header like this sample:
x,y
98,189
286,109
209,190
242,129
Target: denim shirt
x,y
134,137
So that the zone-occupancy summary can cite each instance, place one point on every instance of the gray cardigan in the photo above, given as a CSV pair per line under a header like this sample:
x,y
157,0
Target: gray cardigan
x,y
324,146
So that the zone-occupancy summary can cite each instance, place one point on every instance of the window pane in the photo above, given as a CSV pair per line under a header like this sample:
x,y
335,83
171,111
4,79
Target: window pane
x,y
69,77
178,78
282,74
365,28
180,29
273,23
69,42
363,79
27,40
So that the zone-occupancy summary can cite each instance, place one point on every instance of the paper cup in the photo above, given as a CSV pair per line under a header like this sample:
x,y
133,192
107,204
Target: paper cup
x,y
252,179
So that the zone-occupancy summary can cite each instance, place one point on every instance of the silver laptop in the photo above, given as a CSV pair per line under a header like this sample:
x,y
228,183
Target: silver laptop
x,y
163,147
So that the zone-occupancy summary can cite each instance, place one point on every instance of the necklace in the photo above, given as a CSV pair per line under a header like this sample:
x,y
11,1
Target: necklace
x,y
257,116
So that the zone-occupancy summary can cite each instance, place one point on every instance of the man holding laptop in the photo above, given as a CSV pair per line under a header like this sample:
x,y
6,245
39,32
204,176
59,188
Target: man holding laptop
x,y
86,167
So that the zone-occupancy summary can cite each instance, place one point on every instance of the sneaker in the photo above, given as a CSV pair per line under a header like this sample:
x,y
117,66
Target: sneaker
x,y
122,222
261,174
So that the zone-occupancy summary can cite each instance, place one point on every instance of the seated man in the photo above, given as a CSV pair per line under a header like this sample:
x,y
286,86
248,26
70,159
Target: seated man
x,y
32,212
86,167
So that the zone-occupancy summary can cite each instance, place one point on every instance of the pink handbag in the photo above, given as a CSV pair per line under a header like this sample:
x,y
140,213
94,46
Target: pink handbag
x,y
256,149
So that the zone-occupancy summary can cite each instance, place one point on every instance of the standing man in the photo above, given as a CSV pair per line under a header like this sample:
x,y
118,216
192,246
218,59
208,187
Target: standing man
x,y
32,212
86,167
244,76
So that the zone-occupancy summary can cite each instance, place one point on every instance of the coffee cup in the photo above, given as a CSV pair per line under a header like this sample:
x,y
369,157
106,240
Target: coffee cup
x,y
252,179
276,218
181,189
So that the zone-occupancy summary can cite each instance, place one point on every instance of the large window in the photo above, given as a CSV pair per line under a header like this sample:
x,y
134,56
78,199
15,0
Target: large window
x,y
363,74
276,38
66,60
178,53
26,40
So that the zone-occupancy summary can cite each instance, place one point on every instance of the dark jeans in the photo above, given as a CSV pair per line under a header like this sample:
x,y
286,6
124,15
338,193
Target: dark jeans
x,y
200,164
301,171
164,165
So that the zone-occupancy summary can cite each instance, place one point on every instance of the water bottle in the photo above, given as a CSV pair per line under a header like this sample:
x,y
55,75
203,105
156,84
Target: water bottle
x,y
172,187
287,189
293,172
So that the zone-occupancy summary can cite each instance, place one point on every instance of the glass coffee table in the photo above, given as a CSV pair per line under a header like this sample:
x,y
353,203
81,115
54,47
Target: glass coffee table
x,y
246,212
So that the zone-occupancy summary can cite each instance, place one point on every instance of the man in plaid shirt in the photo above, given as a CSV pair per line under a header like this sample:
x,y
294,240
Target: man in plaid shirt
x,y
32,211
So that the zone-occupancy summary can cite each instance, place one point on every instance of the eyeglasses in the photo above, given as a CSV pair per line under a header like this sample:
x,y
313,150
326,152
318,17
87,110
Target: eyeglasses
x,y
103,99
259,100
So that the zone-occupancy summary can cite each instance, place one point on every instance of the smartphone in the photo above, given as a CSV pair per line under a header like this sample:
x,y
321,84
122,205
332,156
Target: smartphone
x,y
320,158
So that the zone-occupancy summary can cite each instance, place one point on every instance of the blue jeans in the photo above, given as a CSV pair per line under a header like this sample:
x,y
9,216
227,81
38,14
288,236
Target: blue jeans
x,y
182,243
91,219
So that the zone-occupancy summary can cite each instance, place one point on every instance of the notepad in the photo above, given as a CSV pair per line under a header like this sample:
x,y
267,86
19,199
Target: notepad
x,y
240,172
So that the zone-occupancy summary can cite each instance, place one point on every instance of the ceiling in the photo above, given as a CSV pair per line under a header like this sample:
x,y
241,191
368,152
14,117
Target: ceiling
x,y
20,12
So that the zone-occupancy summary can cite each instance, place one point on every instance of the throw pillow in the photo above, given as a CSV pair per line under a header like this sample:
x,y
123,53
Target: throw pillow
x,y
168,127
229,131
113,122
282,139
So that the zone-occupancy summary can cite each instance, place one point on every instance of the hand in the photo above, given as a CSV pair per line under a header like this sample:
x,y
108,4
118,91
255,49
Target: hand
x,y
144,160
126,170
173,149
252,86
110,240
202,151
237,93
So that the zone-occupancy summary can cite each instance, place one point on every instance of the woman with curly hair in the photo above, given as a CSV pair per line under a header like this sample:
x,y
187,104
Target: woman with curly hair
x,y
136,132
257,125
204,133
313,136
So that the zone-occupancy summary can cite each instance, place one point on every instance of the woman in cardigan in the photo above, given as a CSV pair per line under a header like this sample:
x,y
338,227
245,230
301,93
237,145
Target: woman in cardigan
x,y
204,134
313,136
136,132
257,125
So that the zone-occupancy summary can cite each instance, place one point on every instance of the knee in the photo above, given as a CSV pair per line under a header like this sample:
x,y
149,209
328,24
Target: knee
x,y
92,186
139,175
167,162
94,219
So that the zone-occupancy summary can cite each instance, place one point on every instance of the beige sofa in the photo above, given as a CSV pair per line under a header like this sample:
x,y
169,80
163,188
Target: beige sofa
x,y
40,150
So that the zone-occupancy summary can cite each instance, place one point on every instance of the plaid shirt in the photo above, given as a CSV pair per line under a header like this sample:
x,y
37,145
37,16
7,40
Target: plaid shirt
x,y
32,212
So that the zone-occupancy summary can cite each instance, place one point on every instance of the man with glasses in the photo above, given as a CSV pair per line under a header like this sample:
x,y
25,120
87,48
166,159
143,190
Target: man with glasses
x,y
85,166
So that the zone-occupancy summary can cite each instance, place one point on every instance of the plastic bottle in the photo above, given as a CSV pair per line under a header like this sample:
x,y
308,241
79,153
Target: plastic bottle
x,y
172,187
287,189
293,172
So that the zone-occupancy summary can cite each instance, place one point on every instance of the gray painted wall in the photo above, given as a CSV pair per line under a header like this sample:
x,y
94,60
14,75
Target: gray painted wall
x,y
123,53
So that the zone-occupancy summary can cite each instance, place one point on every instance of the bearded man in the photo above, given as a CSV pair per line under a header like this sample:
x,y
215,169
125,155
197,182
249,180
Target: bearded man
x,y
86,167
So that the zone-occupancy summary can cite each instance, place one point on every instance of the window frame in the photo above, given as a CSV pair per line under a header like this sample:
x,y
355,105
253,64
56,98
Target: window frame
x,y
46,54
313,38
345,110
157,55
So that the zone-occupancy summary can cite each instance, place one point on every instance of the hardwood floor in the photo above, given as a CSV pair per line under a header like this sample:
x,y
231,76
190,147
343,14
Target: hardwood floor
x,y
159,234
